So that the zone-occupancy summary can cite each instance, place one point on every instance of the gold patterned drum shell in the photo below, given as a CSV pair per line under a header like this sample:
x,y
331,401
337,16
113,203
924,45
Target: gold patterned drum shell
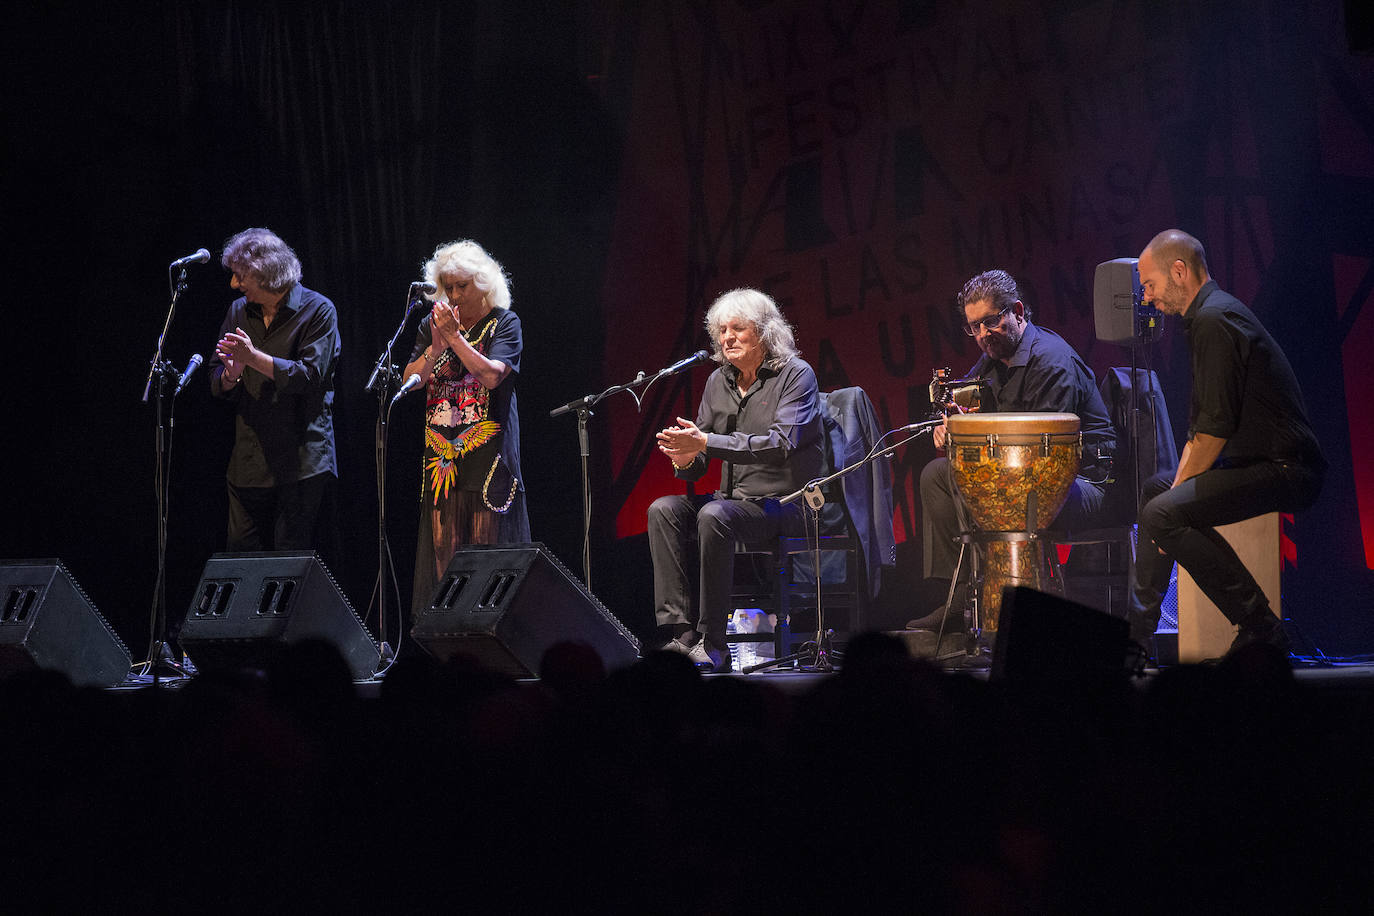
x,y
1000,459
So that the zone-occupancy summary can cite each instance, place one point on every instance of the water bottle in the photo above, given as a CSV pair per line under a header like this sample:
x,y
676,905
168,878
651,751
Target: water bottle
x,y
731,627
748,620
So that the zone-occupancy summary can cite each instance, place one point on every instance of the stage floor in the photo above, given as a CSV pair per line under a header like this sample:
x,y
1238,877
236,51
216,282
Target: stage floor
x,y
1353,678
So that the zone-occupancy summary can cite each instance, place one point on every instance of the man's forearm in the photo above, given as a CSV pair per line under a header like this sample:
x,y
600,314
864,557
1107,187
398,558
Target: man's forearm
x,y
1199,454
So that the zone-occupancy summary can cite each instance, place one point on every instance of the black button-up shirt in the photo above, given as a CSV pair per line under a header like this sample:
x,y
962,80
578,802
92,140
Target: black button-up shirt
x,y
1244,389
283,424
1046,375
768,437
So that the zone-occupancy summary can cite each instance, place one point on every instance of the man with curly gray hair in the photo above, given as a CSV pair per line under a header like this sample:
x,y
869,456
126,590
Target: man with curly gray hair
x,y
275,361
760,416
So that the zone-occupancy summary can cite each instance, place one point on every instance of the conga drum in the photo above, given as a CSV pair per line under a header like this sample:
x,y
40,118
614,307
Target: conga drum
x,y
1014,471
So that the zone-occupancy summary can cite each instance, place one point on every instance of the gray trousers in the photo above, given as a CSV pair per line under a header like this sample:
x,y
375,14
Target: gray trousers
x,y
696,536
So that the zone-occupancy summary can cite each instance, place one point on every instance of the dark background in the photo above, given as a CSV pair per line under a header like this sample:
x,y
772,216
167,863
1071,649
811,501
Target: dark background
x,y
627,162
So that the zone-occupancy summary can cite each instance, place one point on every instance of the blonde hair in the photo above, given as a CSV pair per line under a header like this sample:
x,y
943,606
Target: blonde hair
x,y
469,259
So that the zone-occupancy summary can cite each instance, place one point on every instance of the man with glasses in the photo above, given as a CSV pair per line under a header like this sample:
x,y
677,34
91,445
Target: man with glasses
x,y
1250,448
1028,369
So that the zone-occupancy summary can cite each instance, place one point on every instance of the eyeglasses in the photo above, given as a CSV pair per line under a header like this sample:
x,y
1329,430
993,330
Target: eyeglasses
x,y
988,323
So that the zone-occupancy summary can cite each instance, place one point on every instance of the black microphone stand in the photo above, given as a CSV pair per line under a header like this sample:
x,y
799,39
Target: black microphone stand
x,y
160,374
816,654
583,408
384,375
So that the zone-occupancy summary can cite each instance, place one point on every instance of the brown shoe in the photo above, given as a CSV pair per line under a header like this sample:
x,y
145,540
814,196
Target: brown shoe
x,y
708,659
675,645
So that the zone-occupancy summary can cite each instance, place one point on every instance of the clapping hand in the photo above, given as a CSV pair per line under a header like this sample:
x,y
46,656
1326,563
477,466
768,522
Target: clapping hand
x,y
682,443
443,325
233,351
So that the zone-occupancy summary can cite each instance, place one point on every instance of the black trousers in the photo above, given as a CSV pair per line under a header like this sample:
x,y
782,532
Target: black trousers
x,y
696,535
945,515
284,517
1181,522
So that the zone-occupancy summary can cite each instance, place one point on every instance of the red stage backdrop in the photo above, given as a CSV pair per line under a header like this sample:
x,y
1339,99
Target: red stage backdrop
x,y
859,161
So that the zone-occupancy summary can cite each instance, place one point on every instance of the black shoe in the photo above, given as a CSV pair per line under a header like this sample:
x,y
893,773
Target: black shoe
x,y
1261,628
1140,656
951,620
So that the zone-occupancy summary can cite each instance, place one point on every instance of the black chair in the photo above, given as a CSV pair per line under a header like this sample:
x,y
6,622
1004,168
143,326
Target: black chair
x,y
856,539
1099,575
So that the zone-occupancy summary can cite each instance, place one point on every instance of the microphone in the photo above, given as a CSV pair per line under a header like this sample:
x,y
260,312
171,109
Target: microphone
x,y
411,384
424,286
200,257
191,366
698,357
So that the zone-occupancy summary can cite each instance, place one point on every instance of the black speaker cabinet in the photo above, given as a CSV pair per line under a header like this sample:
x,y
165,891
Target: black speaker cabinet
x,y
1045,638
506,604
46,621
1114,285
249,606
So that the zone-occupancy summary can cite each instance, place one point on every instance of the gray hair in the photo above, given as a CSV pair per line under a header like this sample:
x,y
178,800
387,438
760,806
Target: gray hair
x,y
263,256
469,259
761,311
995,284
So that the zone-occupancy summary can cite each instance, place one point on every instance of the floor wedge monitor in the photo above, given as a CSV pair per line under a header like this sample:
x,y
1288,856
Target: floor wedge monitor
x,y
46,621
249,606
506,604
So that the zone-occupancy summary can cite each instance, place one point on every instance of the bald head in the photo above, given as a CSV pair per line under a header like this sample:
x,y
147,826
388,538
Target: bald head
x,y
1176,245
1173,267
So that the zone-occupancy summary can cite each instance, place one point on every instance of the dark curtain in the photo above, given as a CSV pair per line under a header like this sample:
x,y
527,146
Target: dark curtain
x,y
363,134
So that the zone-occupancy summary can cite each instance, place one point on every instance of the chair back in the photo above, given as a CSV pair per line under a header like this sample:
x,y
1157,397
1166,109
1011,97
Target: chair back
x,y
1153,434
864,496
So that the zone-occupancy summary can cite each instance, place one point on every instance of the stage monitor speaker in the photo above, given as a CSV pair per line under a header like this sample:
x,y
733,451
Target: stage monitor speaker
x,y
46,621
506,604
1115,284
1044,638
250,606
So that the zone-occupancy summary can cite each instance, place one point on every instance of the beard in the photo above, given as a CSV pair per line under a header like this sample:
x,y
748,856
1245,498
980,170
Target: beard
x,y
1002,346
1174,300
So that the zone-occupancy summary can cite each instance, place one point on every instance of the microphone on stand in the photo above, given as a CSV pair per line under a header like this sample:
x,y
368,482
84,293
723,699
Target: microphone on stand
x,y
200,257
411,384
912,427
698,357
424,286
191,366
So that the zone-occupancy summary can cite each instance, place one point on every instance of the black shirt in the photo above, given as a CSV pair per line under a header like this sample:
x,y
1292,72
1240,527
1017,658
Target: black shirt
x,y
283,425
769,438
1045,375
1244,390
507,344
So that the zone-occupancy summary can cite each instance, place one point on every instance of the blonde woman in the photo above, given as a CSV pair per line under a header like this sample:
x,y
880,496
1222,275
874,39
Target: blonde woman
x,y
467,354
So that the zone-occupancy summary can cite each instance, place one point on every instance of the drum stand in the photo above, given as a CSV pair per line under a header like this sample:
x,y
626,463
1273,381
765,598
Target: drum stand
x,y
977,650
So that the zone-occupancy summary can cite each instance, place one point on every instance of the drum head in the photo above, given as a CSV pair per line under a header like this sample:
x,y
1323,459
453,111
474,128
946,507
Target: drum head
x,y
1011,424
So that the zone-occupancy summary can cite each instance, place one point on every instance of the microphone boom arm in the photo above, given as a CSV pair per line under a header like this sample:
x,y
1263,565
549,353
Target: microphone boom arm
x,y
382,371
878,451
